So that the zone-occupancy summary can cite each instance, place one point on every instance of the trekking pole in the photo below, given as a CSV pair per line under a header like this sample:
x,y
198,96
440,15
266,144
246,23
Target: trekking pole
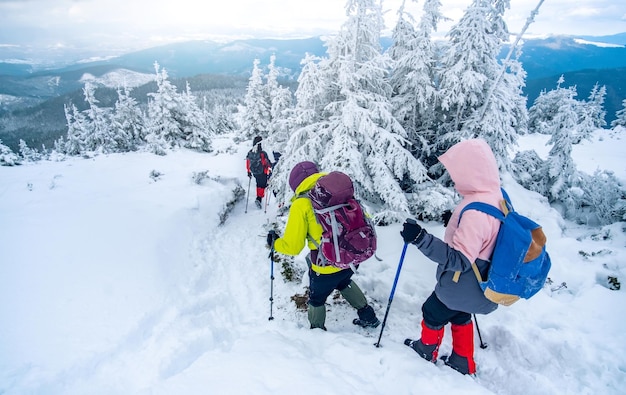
x,y
248,195
271,281
393,288
482,345
267,201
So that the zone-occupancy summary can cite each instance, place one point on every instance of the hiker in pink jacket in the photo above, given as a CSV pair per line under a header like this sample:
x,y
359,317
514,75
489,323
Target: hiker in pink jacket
x,y
474,171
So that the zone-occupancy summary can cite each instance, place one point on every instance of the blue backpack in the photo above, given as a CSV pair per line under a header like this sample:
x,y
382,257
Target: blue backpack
x,y
519,263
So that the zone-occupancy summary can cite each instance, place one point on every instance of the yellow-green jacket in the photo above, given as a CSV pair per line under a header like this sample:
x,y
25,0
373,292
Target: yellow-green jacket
x,y
302,222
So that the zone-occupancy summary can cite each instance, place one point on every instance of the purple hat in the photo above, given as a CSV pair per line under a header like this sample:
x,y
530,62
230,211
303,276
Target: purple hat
x,y
301,171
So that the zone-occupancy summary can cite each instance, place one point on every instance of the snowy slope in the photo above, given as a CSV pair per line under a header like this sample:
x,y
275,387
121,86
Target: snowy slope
x,y
113,281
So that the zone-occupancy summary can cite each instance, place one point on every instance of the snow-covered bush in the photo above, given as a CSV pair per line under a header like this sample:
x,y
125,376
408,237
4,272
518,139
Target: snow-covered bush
x,y
7,157
597,199
29,154
526,171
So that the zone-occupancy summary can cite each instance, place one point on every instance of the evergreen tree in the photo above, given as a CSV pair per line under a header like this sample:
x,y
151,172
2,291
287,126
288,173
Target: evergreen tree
x,y
29,154
280,99
620,115
175,119
596,106
546,107
97,133
196,129
77,130
357,132
315,87
480,97
560,170
162,125
7,157
127,122
413,77
256,116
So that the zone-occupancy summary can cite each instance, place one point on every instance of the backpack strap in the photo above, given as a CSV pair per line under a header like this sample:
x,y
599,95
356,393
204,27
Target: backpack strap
x,y
488,209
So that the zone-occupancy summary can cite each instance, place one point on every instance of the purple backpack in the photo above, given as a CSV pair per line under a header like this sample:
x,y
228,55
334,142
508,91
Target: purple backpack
x,y
349,237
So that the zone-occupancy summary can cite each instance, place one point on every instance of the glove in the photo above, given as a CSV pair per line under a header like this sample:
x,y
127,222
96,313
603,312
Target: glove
x,y
249,175
271,236
412,232
445,217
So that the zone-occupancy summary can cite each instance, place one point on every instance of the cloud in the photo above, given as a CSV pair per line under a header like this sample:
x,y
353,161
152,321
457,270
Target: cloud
x,y
135,24
584,11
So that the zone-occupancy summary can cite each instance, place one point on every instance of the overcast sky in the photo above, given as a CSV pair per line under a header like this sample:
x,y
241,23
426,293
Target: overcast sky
x,y
122,25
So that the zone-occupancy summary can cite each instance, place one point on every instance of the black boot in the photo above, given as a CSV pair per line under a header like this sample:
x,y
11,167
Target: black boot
x,y
428,352
367,318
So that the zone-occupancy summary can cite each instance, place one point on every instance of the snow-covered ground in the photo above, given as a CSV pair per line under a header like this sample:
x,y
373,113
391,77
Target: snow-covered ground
x,y
116,278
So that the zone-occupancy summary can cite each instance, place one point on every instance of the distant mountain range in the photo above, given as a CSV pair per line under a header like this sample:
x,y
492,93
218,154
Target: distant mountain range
x,y
582,60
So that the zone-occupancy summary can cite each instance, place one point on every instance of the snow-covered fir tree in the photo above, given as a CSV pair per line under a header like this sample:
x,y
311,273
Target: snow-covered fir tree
x,y
480,96
127,121
620,116
196,128
315,85
256,115
175,119
559,171
8,157
78,129
281,101
98,135
413,78
595,106
29,154
546,106
590,114
357,133
162,124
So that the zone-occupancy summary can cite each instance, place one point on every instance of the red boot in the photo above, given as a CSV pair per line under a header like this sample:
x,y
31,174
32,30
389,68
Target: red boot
x,y
462,357
428,346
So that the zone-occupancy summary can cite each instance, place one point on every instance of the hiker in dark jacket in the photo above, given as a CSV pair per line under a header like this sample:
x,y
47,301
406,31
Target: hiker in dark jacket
x,y
323,280
258,165
474,170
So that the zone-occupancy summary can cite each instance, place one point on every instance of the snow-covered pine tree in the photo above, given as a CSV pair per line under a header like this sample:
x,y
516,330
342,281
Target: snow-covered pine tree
x,y
546,106
27,153
595,106
620,115
197,131
127,121
357,133
468,64
315,85
479,95
99,134
560,170
77,130
8,157
413,77
163,129
281,101
256,115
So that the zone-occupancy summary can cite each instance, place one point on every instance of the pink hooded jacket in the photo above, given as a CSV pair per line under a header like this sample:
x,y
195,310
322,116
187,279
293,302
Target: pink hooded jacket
x,y
474,170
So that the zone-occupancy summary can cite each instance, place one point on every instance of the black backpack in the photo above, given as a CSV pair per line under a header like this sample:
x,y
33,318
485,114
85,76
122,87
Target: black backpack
x,y
256,165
